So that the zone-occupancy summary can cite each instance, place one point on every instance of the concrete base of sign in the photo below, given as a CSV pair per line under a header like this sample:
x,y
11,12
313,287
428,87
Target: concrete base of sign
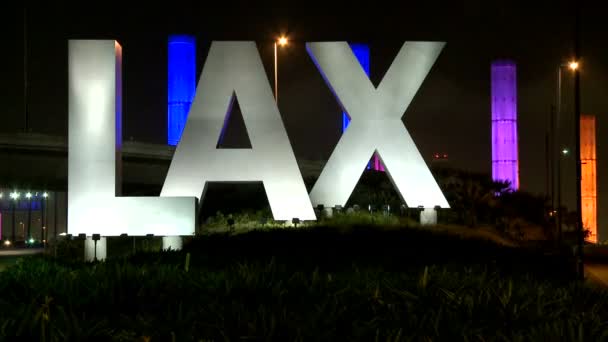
x,y
428,217
91,251
172,242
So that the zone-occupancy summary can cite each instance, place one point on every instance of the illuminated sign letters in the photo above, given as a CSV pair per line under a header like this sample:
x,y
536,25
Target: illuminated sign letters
x,y
94,142
234,70
376,124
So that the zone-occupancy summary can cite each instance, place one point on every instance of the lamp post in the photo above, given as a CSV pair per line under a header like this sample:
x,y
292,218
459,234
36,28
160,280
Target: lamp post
x,y
282,41
577,151
29,215
55,214
573,66
45,195
15,197
1,232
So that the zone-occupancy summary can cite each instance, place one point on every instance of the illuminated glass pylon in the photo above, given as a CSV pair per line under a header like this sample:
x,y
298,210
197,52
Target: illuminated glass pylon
x,y
361,51
181,84
588,176
505,162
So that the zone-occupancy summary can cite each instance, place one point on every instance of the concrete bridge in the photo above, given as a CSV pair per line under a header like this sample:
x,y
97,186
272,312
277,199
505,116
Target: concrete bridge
x,y
38,163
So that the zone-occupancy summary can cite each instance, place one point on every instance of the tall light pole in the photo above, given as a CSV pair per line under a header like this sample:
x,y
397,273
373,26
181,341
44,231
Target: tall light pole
x,y
282,41
573,66
25,85
15,197
43,218
29,215
577,144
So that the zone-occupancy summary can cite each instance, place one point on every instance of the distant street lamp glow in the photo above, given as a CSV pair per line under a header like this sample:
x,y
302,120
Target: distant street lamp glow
x,y
573,65
7,243
15,195
282,41
28,195
565,151
45,195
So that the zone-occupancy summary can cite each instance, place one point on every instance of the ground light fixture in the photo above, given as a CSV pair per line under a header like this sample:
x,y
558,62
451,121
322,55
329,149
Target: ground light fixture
x,y
96,237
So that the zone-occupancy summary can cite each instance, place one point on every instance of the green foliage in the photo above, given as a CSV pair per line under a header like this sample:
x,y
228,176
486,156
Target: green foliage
x,y
262,220
363,218
374,188
321,283
121,301
242,221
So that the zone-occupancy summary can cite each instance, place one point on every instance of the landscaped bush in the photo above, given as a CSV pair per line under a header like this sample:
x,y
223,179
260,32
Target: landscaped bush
x,y
322,284
277,300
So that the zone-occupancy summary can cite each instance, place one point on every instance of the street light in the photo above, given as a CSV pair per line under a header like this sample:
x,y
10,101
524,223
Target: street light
x,y
15,198
573,66
28,195
282,41
45,195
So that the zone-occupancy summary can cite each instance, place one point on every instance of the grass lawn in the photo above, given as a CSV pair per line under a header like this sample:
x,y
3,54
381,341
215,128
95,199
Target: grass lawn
x,y
307,284
6,261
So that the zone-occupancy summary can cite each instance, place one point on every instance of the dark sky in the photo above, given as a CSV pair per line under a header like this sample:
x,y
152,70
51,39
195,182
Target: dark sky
x,y
451,112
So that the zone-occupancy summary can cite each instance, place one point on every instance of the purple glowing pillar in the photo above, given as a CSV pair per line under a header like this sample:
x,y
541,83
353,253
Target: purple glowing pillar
x,y
505,162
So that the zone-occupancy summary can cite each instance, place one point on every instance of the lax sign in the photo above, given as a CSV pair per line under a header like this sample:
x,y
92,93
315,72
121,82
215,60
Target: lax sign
x,y
234,70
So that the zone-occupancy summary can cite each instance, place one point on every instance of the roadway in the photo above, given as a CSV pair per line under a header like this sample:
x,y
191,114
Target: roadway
x,y
9,257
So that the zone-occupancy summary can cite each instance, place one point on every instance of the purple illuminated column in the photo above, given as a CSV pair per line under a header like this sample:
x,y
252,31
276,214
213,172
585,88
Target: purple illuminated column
x,y
505,163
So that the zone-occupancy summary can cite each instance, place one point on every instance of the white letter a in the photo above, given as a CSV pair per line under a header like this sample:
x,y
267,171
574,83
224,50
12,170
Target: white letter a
x,y
235,69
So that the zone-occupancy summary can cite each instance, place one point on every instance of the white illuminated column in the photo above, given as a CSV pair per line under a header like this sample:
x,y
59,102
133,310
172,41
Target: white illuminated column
x,y
94,145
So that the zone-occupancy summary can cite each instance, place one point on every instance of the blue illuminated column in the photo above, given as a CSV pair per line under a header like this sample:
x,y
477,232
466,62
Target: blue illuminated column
x,y
361,51
181,84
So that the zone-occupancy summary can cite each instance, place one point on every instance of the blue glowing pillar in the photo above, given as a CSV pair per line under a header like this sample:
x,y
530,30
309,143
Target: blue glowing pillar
x,y
361,51
181,84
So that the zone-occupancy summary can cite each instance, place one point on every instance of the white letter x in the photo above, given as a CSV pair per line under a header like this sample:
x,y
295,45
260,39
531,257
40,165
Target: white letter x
x,y
376,124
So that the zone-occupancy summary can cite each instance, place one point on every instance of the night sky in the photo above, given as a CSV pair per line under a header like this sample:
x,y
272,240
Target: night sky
x,y
450,113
